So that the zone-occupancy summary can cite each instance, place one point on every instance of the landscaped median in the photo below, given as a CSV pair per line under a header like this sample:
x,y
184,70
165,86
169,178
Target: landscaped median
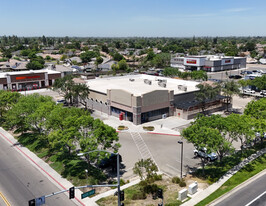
x,y
242,175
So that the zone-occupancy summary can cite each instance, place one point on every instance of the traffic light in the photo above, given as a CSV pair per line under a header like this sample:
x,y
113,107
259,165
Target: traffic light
x,y
160,193
160,204
122,196
122,204
32,202
71,192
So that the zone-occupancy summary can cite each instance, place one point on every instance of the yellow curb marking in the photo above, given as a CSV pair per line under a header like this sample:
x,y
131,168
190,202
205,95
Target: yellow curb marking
x,y
5,200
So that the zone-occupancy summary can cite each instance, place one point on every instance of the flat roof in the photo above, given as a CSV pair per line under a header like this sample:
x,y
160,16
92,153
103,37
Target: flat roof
x,y
135,85
3,74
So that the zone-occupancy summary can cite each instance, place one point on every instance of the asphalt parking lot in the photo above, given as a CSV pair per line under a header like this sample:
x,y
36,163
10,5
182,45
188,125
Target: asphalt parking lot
x,y
222,75
165,151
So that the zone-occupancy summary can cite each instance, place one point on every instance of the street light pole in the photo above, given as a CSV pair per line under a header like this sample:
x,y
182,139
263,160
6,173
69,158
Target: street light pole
x,y
180,142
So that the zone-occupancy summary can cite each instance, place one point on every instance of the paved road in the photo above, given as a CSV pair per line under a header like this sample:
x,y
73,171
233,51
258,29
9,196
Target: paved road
x,y
247,194
20,181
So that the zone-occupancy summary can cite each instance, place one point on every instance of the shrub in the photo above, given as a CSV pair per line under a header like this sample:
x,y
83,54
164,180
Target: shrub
x,y
139,196
176,180
182,183
149,128
151,189
121,127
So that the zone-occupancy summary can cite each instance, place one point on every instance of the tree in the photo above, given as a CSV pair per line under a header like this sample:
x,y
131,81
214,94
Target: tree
x,y
34,65
117,56
122,65
145,169
87,56
206,93
7,101
200,75
26,114
229,88
171,72
80,93
256,109
65,87
259,82
203,137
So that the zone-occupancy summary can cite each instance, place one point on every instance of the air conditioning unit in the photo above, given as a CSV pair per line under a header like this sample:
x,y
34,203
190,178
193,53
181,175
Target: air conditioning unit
x,y
147,81
162,84
182,87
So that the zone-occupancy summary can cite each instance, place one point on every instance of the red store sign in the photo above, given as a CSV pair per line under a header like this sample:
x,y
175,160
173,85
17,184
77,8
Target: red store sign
x,y
28,77
191,61
227,61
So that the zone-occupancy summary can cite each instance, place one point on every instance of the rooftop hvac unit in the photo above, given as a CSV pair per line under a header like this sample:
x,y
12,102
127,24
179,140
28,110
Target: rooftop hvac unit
x,y
162,84
146,81
132,80
162,80
182,87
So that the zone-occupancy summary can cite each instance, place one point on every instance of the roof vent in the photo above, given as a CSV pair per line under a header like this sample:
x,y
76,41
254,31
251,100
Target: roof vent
x,y
182,87
146,81
162,84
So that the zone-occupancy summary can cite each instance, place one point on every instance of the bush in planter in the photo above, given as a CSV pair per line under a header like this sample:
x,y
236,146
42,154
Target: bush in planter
x,y
149,128
122,127
176,180
182,183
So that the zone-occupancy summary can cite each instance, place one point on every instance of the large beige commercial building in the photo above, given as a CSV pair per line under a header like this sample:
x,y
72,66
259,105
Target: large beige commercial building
x,y
141,98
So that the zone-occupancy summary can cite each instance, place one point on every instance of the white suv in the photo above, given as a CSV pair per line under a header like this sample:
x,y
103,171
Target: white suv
x,y
203,153
249,91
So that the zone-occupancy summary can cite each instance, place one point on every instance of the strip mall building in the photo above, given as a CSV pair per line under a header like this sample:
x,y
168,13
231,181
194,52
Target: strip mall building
x,y
27,80
209,63
144,98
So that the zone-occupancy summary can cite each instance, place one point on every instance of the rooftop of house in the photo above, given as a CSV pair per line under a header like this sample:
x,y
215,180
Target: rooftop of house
x,y
135,84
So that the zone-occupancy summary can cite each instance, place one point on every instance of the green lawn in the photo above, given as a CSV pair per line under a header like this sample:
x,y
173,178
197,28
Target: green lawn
x,y
242,175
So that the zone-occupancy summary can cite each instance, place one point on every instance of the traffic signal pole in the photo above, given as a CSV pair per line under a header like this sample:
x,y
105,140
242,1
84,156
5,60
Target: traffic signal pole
x,y
118,179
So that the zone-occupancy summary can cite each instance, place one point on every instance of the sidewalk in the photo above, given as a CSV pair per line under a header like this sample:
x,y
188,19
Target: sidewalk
x,y
168,126
199,196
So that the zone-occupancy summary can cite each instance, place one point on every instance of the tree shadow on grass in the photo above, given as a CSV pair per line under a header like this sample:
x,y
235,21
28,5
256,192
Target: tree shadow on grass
x,y
75,167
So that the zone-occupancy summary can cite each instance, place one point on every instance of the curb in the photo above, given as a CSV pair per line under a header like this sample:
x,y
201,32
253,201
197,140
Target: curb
x,y
164,134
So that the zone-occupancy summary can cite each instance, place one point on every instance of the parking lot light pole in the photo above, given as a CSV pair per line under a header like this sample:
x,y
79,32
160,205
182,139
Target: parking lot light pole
x,y
180,142
117,168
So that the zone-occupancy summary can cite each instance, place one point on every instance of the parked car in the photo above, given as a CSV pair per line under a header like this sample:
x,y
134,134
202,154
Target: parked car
x,y
62,101
245,72
263,92
203,153
235,76
250,91
110,161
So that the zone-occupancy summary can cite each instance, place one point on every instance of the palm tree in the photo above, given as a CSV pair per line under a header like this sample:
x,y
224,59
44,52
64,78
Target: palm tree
x,y
229,88
206,93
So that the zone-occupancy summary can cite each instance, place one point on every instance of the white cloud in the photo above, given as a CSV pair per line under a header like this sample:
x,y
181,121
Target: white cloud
x,y
237,9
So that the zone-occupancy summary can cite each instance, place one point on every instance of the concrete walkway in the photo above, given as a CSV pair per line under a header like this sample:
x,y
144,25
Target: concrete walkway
x,y
199,196
168,126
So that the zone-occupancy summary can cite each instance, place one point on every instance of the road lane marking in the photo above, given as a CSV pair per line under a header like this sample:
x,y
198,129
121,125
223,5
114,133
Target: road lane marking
x,y
256,199
173,168
5,200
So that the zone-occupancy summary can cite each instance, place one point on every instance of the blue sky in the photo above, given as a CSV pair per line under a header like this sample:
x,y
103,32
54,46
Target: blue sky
x,y
129,18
